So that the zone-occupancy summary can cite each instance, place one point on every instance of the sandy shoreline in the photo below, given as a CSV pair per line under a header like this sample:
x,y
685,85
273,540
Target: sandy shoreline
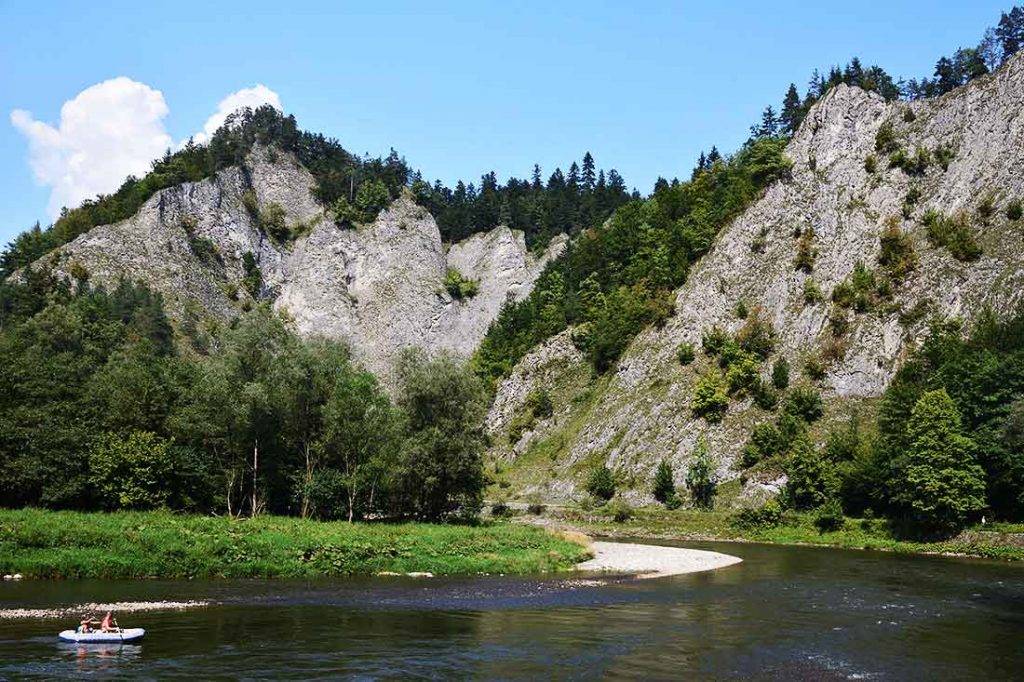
x,y
653,561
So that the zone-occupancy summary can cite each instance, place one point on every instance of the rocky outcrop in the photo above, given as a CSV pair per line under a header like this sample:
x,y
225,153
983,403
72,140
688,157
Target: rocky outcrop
x,y
642,413
379,286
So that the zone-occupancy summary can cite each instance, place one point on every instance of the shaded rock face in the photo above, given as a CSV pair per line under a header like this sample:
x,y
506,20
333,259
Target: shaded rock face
x,y
379,286
643,412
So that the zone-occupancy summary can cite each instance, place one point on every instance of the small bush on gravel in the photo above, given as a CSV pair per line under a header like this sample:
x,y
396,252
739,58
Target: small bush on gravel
x,y
601,483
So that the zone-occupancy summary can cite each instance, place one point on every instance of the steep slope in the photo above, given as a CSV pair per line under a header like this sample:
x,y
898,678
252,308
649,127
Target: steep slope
x,y
642,412
205,246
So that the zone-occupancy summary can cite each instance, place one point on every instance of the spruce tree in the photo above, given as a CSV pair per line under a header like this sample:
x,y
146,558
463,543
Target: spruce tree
x,y
701,479
664,488
792,111
588,178
938,483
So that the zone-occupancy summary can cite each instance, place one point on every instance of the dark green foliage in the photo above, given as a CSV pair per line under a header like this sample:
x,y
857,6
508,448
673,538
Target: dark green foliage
x,y
253,278
829,517
619,278
441,463
885,139
811,478
459,287
780,374
701,479
804,401
766,396
713,340
944,154
1014,211
897,255
753,518
937,484
984,376
664,488
814,367
600,483
954,233
806,254
871,163
987,208
685,354
741,309
766,441
537,405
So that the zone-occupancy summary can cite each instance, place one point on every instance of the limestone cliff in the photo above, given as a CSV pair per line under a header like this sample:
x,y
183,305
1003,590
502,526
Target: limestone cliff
x,y
377,286
641,412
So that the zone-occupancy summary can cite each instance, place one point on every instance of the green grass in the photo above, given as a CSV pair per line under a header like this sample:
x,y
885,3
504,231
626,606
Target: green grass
x,y
996,541
47,544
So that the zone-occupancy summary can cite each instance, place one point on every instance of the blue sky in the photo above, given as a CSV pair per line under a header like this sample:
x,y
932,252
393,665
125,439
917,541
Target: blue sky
x,y
458,88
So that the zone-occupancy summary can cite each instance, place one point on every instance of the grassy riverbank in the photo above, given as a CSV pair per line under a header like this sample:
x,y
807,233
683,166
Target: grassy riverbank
x,y
48,544
994,541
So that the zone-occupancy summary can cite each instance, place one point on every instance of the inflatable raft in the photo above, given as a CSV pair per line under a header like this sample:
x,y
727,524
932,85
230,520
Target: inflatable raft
x,y
126,635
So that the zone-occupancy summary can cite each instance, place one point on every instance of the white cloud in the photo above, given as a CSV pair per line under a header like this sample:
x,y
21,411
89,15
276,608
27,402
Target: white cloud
x,y
252,97
107,132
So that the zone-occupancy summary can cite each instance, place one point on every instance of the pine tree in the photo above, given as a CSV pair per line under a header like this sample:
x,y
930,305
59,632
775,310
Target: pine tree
x,y
588,176
664,488
938,483
713,156
792,111
1010,32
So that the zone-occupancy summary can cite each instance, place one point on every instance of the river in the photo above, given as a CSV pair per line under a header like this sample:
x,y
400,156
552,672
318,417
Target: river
x,y
784,613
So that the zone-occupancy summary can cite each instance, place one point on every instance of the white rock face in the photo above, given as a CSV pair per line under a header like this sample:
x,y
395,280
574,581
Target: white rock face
x,y
379,286
643,414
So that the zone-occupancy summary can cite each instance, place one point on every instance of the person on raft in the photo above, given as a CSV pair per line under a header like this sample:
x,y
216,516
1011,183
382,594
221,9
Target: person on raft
x,y
108,624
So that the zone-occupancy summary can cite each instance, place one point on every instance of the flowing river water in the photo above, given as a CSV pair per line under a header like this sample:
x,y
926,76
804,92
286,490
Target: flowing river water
x,y
784,613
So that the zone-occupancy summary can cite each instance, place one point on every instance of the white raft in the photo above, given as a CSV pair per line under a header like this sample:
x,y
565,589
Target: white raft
x,y
126,635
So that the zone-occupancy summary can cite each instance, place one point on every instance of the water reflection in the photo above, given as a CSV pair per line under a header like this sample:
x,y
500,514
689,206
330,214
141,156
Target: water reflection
x,y
785,613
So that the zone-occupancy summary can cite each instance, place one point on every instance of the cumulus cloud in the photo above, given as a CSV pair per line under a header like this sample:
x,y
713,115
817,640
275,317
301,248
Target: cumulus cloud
x,y
107,132
252,97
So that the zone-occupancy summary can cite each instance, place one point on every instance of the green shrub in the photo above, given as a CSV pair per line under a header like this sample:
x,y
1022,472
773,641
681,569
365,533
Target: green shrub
x,y
371,197
871,163
535,508
272,221
501,510
459,287
130,471
814,367
829,517
806,254
953,233
758,518
713,339
897,255
1014,210
620,511
741,309
757,335
944,154
253,278
765,441
908,115
885,139
805,402
663,488
685,353
742,374
710,399
701,479
601,483
780,374
812,292
811,479
987,208
765,395
838,322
